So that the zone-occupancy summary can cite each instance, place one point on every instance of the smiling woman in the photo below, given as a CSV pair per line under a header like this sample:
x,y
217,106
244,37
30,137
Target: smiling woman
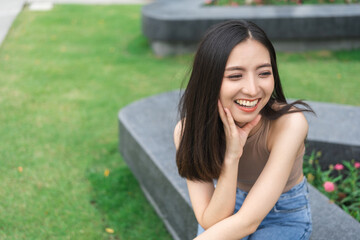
x,y
239,132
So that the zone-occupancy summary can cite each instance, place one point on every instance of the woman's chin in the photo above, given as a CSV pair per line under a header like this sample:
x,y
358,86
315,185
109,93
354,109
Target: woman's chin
x,y
242,121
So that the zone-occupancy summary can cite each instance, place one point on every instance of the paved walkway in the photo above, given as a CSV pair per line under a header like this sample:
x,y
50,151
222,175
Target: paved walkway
x,y
8,12
9,9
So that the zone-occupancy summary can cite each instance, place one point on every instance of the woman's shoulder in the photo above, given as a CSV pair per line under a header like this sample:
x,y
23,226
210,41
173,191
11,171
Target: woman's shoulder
x,y
288,119
291,123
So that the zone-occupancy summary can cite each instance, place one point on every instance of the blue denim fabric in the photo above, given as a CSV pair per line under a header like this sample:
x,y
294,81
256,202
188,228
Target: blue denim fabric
x,y
289,219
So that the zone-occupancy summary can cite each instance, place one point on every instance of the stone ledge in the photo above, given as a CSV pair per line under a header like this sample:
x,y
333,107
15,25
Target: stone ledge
x,y
335,132
146,144
171,24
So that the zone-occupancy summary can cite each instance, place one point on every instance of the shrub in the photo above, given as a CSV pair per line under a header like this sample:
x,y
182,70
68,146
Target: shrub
x,y
340,183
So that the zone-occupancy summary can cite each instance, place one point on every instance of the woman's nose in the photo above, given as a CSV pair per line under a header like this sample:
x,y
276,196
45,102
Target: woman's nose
x,y
251,87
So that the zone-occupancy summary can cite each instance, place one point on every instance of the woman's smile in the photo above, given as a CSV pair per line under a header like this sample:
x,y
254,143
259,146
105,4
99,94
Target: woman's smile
x,y
247,105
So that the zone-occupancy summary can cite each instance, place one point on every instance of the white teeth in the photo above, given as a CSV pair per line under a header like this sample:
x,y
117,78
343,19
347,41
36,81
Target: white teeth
x,y
247,103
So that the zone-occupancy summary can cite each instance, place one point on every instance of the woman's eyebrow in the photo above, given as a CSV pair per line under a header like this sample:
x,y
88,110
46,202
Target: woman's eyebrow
x,y
234,68
263,65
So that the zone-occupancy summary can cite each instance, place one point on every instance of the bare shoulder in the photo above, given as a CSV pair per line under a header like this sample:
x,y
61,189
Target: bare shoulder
x,y
177,134
291,120
294,124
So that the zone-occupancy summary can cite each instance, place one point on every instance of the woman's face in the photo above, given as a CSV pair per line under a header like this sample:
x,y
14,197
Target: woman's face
x,y
248,81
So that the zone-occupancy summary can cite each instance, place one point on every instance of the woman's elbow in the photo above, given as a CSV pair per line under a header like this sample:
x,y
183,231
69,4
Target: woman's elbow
x,y
206,224
207,221
249,225
253,227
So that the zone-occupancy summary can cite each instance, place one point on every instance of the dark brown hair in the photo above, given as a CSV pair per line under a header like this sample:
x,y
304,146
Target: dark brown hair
x,y
202,146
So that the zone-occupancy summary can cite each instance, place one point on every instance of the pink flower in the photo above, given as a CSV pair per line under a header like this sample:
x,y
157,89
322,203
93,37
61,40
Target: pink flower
x,y
339,167
357,164
329,186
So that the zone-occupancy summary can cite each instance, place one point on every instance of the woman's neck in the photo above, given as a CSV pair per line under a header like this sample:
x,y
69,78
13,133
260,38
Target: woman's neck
x,y
257,127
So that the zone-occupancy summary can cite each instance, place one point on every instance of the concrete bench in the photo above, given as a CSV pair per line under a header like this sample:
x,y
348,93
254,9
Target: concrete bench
x,y
146,144
174,27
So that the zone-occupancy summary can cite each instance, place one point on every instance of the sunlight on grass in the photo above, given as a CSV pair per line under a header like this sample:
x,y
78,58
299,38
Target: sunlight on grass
x,y
321,76
64,76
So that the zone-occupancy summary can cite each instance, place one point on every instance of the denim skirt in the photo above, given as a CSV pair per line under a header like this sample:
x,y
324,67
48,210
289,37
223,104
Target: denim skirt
x,y
289,219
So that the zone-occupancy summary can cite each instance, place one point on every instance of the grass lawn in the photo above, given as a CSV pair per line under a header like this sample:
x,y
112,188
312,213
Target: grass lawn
x,y
64,75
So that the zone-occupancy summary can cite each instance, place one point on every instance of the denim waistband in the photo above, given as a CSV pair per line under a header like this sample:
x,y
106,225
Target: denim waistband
x,y
298,188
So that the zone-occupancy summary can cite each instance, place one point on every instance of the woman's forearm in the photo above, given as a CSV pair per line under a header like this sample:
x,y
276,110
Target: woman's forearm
x,y
234,227
222,202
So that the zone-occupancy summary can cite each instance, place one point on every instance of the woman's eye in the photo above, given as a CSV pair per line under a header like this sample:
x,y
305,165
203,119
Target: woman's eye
x,y
265,74
235,76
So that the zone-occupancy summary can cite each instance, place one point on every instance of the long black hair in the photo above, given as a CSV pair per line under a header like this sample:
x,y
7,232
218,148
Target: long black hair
x,y
202,145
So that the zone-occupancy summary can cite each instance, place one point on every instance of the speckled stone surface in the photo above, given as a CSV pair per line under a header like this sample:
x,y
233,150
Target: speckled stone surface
x,y
171,25
335,131
146,144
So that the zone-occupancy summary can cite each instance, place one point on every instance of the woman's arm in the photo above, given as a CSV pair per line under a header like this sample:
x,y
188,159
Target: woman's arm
x,y
285,142
213,205
210,204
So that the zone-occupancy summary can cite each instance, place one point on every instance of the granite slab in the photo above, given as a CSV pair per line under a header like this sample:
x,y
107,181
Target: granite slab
x,y
146,144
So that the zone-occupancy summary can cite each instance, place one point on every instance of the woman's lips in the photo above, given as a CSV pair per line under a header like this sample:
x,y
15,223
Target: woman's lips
x,y
247,105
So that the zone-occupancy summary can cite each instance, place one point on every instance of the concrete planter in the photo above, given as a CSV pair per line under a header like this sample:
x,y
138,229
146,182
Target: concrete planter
x,y
146,144
174,27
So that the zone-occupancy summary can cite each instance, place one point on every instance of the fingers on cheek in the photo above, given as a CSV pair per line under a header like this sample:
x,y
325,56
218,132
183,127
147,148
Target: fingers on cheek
x,y
228,114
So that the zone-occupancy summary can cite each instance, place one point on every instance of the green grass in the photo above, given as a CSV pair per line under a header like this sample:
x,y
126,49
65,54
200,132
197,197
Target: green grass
x,y
323,76
64,75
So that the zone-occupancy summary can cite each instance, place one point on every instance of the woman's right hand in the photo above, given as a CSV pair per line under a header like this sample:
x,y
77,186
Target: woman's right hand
x,y
235,136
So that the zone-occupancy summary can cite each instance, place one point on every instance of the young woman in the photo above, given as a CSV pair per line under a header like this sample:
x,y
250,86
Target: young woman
x,y
237,128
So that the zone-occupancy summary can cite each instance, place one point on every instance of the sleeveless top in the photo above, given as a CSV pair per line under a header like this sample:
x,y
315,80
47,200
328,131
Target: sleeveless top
x,y
254,157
